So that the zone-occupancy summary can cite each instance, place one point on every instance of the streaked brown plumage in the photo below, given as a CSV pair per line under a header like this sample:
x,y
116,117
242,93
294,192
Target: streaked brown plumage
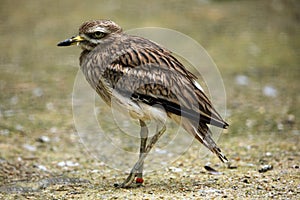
x,y
147,80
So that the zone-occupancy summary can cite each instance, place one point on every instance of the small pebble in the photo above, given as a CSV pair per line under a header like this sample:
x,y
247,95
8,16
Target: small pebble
x,y
245,180
290,119
4,132
29,147
259,187
67,164
43,139
295,132
270,91
175,169
38,92
250,123
95,171
249,165
9,113
209,190
160,151
212,170
53,130
280,126
19,127
268,154
265,168
61,164
40,167
50,106
230,166
241,80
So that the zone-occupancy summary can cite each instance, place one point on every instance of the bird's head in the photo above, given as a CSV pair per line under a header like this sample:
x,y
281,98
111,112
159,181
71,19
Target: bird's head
x,y
93,33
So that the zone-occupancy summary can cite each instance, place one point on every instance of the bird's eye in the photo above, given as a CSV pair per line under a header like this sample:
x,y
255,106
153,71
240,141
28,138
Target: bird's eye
x,y
98,34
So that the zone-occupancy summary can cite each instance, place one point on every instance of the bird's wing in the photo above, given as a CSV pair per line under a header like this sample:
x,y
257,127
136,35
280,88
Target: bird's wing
x,y
153,76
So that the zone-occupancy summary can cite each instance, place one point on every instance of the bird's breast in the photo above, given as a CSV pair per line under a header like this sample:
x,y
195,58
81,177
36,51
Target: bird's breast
x,y
93,67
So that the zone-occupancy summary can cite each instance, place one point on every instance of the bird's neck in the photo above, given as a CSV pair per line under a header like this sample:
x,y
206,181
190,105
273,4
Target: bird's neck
x,y
83,55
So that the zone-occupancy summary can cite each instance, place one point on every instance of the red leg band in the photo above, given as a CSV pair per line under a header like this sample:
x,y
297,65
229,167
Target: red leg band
x,y
139,180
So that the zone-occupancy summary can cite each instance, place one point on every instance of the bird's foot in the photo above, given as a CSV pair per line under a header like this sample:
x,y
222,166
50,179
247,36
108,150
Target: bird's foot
x,y
132,185
129,182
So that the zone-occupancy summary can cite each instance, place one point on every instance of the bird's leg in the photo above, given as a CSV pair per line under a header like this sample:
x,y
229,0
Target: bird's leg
x,y
139,163
144,136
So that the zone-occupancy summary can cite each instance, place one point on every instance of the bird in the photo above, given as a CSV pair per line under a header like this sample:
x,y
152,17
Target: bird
x,y
148,81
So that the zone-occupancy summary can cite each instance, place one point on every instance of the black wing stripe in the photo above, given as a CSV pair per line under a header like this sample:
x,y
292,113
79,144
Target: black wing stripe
x,y
177,109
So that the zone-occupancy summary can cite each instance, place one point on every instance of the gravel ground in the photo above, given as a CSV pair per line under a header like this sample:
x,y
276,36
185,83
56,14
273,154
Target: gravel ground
x,y
264,168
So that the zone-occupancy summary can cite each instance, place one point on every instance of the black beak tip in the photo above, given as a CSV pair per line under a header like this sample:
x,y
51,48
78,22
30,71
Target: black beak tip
x,y
64,43
60,44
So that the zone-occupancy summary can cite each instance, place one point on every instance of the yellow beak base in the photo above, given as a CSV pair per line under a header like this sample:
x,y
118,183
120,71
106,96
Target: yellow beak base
x,y
71,41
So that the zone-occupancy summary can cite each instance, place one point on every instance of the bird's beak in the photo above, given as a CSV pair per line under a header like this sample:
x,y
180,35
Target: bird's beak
x,y
71,41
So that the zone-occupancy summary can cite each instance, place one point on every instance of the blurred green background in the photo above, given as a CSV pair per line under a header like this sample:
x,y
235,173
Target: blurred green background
x,y
255,45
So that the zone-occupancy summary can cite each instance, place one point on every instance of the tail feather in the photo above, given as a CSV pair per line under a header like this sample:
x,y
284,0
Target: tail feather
x,y
204,136
202,133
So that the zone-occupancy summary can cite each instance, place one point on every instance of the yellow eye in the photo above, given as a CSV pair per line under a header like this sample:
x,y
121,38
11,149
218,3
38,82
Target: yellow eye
x,y
98,34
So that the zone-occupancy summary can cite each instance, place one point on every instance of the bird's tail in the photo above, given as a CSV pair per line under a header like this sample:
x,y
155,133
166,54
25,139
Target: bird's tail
x,y
203,134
